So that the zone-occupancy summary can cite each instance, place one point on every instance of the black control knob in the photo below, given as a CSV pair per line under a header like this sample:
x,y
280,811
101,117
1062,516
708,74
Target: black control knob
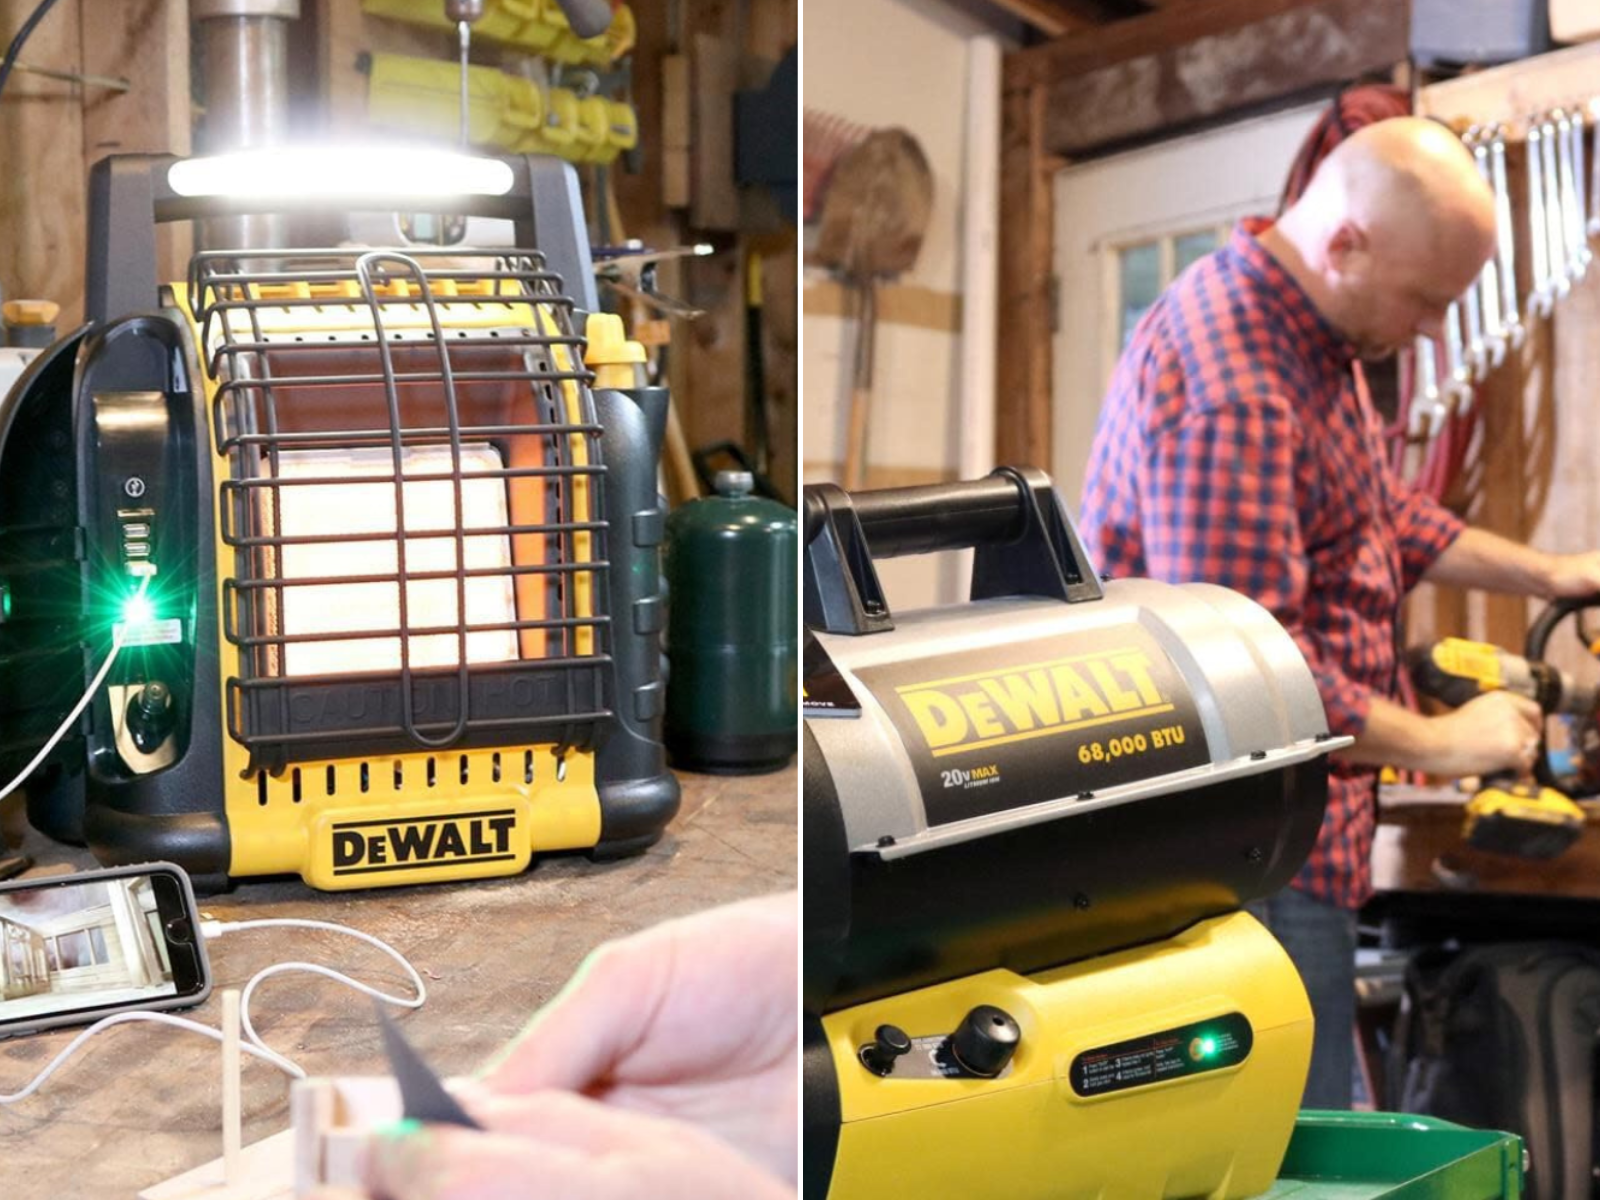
x,y
889,1042
151,716
985,1041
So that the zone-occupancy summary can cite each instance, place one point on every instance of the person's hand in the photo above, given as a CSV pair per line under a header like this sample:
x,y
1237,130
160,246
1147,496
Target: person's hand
x,y
1573,575
694,1019
556,1146
1497,731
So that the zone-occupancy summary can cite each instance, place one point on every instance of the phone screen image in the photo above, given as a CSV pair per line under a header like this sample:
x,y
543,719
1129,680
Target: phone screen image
x,y
122,942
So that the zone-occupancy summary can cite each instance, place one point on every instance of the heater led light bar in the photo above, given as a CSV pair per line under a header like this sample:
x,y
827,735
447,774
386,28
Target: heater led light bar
x,y
318,176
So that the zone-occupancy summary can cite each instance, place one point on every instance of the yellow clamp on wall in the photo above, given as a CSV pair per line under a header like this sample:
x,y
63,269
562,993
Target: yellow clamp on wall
x,y
421,95
500,21
538,26
533,31
600,51
624,133
594,123
559,131
506,112
527,112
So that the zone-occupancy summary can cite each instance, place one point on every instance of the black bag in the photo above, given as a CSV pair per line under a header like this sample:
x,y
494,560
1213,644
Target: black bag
x,y
1503,1037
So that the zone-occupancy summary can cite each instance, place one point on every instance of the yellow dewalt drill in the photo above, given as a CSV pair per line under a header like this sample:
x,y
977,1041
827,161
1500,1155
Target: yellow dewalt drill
x,y
1508,815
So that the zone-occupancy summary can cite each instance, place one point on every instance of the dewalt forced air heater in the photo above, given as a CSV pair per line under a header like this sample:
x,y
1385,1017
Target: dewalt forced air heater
x,y
1031,822
382,553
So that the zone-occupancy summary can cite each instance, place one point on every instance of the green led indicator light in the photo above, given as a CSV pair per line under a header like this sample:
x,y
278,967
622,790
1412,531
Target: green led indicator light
x,y
5,601
1208,1047
137,610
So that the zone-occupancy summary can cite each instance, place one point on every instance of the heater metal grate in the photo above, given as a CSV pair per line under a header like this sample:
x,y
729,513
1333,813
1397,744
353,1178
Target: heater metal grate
x,y
412,495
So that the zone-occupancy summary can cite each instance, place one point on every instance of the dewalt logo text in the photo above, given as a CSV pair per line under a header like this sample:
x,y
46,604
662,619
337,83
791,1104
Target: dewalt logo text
x,y
1035,700
405,844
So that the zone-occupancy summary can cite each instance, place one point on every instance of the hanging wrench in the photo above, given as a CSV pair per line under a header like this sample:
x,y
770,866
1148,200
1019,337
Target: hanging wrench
x,y
1457,384
1592,226
1475,351
1575,258
1580,197
1427,407
1506,235
1540,296
1489,350
1556,280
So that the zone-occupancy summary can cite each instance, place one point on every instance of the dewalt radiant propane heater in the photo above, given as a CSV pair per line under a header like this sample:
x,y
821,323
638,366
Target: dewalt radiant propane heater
x,y
398,552
1031,822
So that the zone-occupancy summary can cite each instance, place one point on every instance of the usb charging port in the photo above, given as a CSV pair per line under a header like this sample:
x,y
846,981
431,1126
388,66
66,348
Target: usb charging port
x,y
136,550
136,532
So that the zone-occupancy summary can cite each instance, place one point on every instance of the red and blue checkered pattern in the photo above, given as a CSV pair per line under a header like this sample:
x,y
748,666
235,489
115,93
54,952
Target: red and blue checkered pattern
x,y
1237,445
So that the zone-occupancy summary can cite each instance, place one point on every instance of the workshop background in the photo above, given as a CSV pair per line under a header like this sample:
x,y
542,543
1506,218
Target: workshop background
x,y
142,91
1081,153
694,153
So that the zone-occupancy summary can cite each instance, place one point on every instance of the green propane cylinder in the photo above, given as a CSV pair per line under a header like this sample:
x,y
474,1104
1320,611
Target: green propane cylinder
x,y
732,624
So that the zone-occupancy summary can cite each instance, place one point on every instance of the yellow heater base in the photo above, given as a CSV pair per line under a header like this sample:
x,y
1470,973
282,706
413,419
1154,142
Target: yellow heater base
x,y
361,823
1031,1134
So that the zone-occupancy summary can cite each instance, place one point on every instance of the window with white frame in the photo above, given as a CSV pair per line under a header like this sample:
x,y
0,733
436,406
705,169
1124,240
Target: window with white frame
x,y
1144,269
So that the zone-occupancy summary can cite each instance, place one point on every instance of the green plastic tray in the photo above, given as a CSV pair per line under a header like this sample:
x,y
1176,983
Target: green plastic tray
x,y
1368,1156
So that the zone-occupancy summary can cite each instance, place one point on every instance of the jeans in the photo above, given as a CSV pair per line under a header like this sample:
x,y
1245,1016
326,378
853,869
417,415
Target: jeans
x,y
1321,941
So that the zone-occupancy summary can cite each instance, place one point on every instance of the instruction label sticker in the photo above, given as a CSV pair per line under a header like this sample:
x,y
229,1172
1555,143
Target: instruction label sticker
x,y
823,691
1004,727
149,633
1157,1057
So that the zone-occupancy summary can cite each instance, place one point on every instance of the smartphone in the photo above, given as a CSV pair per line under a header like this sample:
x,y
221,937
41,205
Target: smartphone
x,y
75,948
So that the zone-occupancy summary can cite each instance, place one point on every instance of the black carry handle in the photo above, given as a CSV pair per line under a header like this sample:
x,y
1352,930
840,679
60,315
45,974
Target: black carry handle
x,y
129,195
1533,650
1025,543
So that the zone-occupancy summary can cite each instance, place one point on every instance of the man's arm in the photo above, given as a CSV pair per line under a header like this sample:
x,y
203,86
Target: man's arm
x,y
1488,733
1481,559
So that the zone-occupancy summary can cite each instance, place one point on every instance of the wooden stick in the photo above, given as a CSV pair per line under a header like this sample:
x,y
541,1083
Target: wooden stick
x,y
682,483
855,446
231,1123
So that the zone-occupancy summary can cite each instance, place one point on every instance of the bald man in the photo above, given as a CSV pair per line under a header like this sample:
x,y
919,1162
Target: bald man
x,y
1237,445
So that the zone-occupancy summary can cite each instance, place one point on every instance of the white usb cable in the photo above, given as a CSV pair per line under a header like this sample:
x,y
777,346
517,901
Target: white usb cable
x,y
214,929
252,1043
118,637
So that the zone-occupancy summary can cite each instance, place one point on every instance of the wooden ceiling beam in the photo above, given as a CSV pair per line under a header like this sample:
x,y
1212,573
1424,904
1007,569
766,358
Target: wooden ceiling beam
x,y
1323,43
1058,18
1154,33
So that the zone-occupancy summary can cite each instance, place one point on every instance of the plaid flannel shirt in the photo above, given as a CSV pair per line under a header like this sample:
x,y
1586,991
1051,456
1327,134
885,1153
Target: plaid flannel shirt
x,y
1237,445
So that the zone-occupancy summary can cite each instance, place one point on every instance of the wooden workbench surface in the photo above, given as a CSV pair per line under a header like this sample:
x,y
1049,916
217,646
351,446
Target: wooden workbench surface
x,y
141,1103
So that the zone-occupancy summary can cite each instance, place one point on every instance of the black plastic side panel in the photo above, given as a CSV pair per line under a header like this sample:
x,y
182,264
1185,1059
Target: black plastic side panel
x,y
558,227
121,269
638,795
136,406
821,1113
42,665
825,862
1087,883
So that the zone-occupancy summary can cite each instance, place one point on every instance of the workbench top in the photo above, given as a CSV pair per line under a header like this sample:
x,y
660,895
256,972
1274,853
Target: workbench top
x,y
138,1104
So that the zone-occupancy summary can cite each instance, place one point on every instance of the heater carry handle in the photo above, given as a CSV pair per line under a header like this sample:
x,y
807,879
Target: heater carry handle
x,y
129,195
1025,543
